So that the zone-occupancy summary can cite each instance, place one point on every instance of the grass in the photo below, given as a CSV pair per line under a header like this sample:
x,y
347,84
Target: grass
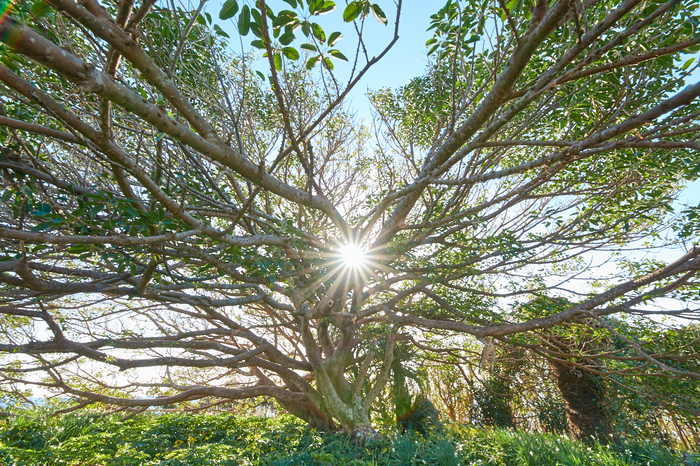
x,y
225,440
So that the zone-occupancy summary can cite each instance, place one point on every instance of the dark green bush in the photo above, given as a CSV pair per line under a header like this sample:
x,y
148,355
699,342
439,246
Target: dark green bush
x,y
422,417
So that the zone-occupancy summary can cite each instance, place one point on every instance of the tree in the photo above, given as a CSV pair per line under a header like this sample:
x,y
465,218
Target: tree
x,y
175,228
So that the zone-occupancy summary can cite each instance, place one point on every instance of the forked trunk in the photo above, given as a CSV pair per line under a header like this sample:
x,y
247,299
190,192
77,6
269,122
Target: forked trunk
x,y
354,418
584,397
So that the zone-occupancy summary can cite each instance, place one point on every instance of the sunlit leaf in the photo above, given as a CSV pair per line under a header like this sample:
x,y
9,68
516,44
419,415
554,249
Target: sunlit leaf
x,y
327,7
278,61
318,32
337,54
334,38
311,62
291,53
379,14
352,11
284,17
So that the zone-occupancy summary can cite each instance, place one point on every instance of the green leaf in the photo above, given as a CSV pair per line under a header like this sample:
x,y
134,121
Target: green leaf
x,y
292,3
258,44
244,21
687,64
334,38
379,14
318,32
262,76
257,30
311,62
328,64
43,226
310,47
287,38
257,17
326,7
229,9
278,62
220,31
41,9
338,55
366,6
352,11
284,17
665,61
291,53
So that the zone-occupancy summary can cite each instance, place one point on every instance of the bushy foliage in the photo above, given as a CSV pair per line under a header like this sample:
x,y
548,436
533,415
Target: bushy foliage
x,y
551,415
493,404
227,440
422,417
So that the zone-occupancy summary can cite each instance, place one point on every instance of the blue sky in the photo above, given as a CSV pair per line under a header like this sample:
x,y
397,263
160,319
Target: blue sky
x,y
406,59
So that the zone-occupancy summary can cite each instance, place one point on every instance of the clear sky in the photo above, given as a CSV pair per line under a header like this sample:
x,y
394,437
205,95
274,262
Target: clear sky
x,y
405,60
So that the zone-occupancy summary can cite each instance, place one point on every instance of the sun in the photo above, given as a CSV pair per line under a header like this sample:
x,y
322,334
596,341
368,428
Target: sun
x,y
353,255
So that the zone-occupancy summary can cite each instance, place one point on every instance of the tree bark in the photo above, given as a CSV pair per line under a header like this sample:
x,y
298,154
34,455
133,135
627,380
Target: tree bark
x,y
584,397
315,418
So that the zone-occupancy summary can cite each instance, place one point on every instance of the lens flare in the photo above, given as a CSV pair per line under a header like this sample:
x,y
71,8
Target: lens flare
x,y
353,255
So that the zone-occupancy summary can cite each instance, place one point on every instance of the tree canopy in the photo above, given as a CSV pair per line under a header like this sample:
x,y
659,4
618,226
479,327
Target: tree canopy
x,y
180,220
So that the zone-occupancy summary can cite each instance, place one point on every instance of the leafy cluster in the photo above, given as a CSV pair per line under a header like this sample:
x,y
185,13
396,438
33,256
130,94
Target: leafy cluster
x,y
285,23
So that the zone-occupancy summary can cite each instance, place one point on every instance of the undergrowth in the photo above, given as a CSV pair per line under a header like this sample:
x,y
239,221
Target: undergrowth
x,y
225,440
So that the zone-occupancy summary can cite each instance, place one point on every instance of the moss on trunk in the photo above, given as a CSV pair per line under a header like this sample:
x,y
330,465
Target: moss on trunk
x,y
584,397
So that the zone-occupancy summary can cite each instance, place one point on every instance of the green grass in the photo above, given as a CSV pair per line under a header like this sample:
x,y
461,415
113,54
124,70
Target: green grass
x,y
226,440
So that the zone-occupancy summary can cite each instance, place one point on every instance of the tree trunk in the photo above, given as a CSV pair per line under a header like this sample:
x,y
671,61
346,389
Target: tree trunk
x,y
584,398
315,418
354,417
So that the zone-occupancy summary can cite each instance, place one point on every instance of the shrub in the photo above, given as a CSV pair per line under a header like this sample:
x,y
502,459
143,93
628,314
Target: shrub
x,y
226,440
